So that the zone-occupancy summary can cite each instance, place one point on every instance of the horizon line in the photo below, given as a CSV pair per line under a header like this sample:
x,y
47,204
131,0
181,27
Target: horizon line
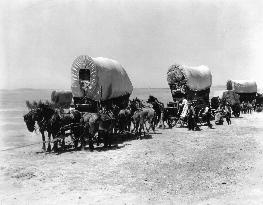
x,y
70,89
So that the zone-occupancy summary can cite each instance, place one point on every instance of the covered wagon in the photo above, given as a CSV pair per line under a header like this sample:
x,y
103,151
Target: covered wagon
x,y
101,80
233,99
193,83
247,90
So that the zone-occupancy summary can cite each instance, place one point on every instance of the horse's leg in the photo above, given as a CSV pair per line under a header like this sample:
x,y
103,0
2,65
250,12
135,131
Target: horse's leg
x,y
105,139
129,126
144,127
109,138
147,121
81,136
82,141
90,137
98,139
63,144
76,143
134,125
137,129
49,139
156,120
55,147
141,126
43,141
152,125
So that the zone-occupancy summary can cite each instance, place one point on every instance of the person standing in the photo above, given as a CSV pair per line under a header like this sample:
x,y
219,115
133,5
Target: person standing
x,y
207,116
191,117
249,107
227,112
219,116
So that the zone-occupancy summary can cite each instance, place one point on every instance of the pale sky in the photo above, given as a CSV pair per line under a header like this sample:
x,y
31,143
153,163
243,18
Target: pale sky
x,y
41,38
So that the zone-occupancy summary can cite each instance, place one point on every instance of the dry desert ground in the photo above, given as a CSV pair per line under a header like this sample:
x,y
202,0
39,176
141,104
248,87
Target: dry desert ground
x,y
174,166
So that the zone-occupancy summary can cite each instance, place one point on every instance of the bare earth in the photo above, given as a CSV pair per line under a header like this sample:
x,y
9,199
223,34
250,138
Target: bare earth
x,y
175,166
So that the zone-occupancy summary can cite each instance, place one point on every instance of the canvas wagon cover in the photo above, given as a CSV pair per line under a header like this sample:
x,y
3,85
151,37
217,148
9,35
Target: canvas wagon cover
x,y
243,86
108,79
197,78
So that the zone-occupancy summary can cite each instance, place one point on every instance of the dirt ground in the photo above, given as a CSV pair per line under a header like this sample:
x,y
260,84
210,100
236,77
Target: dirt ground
x,y
174,166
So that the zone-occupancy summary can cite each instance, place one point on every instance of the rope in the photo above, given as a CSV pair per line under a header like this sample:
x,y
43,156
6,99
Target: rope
x,y
13,148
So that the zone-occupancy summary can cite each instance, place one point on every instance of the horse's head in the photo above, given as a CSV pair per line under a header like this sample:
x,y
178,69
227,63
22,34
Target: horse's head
x,y
152,99
31,118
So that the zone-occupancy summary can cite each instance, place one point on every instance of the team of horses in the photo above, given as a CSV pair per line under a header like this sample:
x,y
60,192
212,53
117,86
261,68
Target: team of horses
x,y
88,127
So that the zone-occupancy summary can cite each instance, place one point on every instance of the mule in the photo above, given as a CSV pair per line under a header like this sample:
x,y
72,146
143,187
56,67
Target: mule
x,y
37,116
102,123
140,116
158,108
61,122
51,121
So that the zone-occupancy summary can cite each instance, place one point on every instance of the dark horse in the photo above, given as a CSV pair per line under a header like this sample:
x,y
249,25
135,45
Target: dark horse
x,y
158,108
37,115
123,119
59,123
49,120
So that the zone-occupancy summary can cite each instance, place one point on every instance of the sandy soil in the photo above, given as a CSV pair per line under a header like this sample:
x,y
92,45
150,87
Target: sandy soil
x,y
175,166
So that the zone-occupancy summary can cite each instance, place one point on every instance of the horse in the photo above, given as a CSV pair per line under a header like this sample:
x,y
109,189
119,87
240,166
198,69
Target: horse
x,y
124,120
158,108
37,115
50,120
102,123
61,122
91,127
141,115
